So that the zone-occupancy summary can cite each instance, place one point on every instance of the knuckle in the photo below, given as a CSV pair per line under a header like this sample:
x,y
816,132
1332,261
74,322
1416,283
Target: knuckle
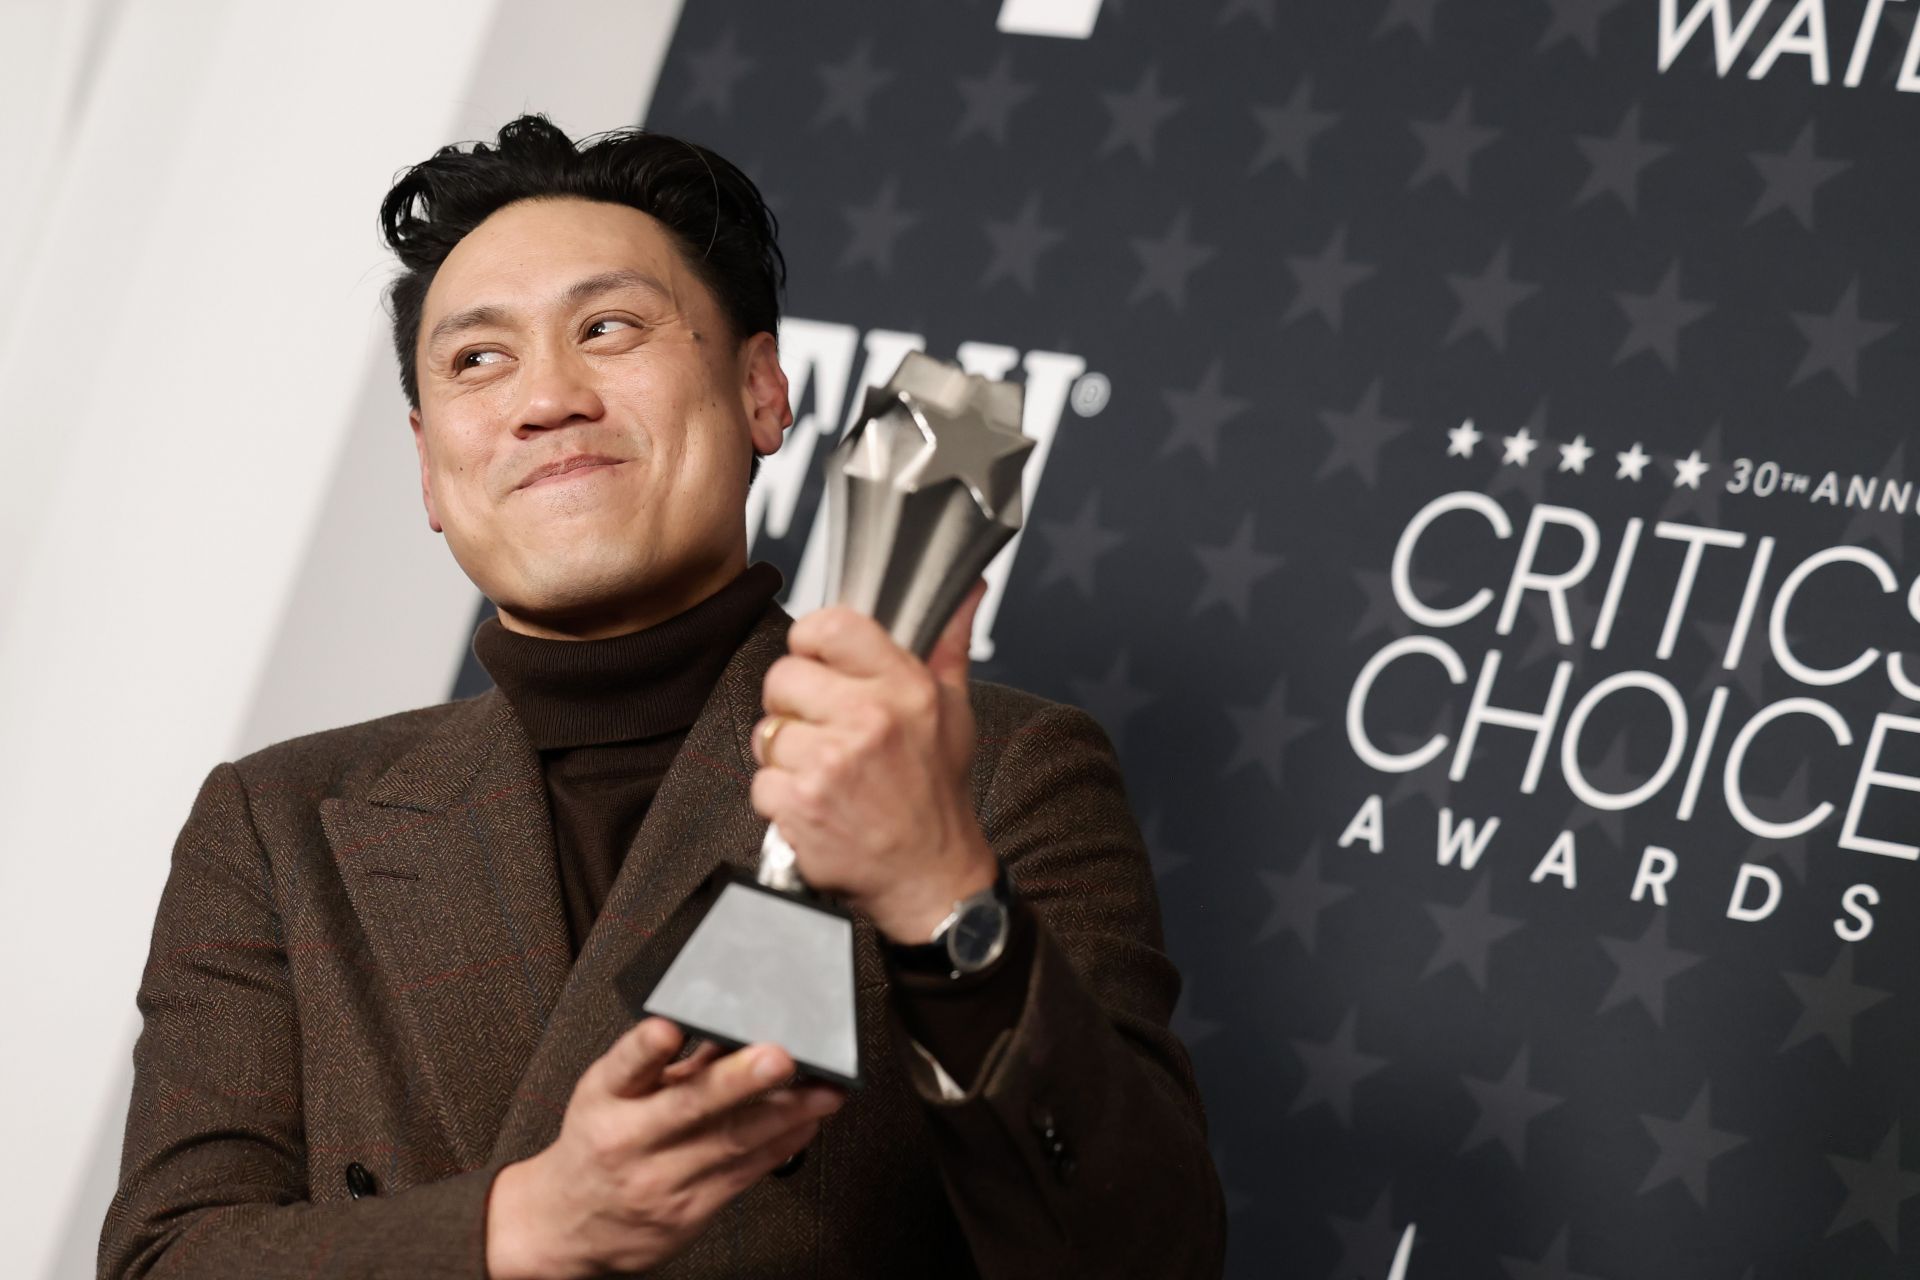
x,y
810,794
603,1145
835,761
920,694
680,1206
875,726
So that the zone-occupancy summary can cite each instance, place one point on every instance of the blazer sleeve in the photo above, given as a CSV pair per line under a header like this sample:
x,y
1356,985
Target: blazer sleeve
x,y
1080,1146
213,1163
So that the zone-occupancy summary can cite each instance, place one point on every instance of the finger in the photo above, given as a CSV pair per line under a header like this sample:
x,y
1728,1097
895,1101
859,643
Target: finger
x,y
715,1185
750,1129
846,640
688,1104
633,1066
808,689
704,1052
798,744
950,657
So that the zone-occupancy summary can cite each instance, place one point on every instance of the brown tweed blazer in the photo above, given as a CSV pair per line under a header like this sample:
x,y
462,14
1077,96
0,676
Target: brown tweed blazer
x,y
360,957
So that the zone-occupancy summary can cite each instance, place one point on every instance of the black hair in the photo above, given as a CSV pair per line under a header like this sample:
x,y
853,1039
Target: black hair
x,y
715,214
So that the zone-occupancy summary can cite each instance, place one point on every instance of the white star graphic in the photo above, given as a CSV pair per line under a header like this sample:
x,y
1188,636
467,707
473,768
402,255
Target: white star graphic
x,y
1462,439
1632,463
1573,457
1519,448
1688,470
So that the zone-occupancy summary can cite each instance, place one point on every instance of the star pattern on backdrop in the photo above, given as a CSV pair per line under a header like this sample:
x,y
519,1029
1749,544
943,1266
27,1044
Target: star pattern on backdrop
x,y
1642,968
1135,117
1017,245
1505,1108
1265,732
990,101
1232,571
1449,145
1298,898
1358,436
1074,547
1467,933
1615,162
1167,263
1486,300
847,88
1199,414
1836,339
1789,179
1829,1004
1288,131
1324,280
1261,11
873,229
1876,1188
1654,320
715,71
1577,21
1686,1147
1411,15
1333,1067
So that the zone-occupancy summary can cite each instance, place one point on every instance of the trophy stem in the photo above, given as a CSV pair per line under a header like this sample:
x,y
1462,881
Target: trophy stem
x,y
778,868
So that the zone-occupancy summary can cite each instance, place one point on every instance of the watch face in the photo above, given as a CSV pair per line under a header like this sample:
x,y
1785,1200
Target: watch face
x,y
977,936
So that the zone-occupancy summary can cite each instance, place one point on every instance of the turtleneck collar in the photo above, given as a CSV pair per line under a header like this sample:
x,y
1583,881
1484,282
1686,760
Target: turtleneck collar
x,y
576,693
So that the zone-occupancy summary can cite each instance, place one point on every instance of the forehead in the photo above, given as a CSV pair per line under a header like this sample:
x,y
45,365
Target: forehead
x,y
528,252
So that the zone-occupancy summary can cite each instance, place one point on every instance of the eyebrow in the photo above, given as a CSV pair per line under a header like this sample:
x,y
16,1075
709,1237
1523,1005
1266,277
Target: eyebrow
x,y
488,314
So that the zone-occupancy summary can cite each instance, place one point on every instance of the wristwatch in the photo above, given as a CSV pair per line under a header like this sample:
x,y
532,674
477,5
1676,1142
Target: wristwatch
x,y
973,935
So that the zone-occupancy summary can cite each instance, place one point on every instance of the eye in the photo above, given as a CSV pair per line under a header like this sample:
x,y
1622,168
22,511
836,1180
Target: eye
x,y
465,359
608,320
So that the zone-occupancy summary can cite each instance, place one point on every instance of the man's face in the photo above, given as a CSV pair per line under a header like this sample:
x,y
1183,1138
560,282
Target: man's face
x,y
563,329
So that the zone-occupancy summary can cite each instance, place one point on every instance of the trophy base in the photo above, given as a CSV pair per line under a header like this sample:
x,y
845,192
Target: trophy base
x,y
739,963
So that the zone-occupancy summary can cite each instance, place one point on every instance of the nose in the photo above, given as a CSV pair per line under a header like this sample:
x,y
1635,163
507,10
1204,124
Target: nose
x,y
558,389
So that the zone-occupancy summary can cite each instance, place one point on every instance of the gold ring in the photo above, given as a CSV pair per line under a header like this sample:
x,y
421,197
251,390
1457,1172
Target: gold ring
x,y
769,729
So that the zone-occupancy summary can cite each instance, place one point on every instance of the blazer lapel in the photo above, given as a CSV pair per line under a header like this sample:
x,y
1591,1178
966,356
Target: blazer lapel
x,y
702,815
449,863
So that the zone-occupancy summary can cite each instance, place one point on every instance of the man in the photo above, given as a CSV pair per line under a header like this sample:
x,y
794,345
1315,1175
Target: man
x,y
381,1036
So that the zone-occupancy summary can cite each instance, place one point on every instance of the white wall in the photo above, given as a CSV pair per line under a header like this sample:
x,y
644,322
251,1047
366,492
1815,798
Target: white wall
x,y
210,534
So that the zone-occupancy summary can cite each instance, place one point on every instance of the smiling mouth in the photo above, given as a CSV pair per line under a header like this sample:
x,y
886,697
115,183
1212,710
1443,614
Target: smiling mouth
x,y
571,473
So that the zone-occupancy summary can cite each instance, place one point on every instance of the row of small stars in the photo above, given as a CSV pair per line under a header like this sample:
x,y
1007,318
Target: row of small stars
x,y
1519,447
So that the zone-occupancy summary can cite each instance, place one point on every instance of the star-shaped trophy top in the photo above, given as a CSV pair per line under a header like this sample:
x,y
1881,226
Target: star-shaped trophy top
x,y
969,429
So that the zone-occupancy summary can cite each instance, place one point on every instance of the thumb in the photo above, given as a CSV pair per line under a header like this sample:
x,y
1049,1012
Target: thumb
x,y
949,660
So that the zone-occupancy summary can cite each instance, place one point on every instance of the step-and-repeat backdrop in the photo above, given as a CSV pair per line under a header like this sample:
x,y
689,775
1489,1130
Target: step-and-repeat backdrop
x,y
1472,491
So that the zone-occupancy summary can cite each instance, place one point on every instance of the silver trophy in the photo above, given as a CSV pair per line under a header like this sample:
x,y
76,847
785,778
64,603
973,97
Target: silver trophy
x,y
922,492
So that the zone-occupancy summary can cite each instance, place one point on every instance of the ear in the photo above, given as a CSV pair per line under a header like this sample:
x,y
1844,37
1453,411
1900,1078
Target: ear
x,y
426,484
763,391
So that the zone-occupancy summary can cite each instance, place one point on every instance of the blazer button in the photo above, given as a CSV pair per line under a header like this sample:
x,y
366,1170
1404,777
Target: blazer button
x,y
791,1164
1053,1143
360,1182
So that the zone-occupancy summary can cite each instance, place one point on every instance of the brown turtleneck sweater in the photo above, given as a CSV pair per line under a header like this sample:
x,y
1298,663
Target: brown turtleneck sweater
x,y
607,718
